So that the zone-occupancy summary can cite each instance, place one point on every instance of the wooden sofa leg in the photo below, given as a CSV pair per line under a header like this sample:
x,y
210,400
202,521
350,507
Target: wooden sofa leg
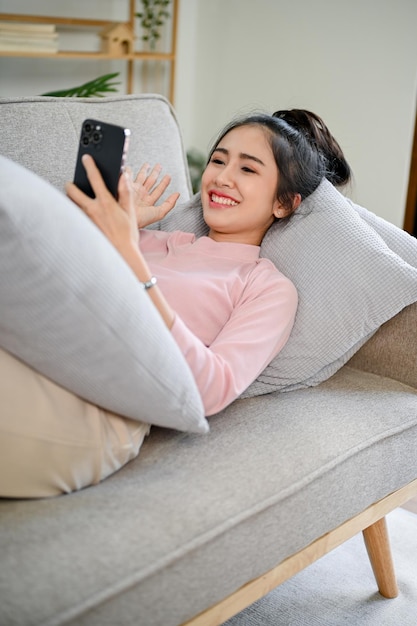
x,y
379,551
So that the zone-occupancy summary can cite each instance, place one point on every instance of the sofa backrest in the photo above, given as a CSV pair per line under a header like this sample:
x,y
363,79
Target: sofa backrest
x,y
391,352
42,134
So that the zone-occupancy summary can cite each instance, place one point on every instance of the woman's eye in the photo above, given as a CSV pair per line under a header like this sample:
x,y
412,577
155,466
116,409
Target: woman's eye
x,y
249,170
217,161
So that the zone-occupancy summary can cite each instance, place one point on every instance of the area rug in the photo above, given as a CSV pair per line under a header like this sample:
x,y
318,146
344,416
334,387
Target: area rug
x,y
340,589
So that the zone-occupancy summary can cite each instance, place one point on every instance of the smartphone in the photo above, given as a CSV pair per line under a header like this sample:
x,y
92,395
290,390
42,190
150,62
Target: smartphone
x,y
108,145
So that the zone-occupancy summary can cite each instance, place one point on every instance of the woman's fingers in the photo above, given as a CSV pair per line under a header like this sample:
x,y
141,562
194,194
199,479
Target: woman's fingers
x,y
149,181
94,176
168,205
96,182
76,195
147,191
142,174
125,190
152,178
116,219
103,197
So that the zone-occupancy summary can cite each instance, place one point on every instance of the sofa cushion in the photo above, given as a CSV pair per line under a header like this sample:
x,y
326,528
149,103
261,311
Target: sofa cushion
x,y
194,518
348,279
73,310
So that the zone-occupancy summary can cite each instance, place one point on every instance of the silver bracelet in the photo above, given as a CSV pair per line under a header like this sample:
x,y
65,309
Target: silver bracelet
x,y
149,283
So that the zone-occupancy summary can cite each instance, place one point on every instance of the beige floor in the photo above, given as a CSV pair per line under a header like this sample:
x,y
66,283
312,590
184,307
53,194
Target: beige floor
x,y
411,505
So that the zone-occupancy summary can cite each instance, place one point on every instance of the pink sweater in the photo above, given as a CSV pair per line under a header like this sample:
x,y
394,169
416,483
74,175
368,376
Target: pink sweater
x,y
234,310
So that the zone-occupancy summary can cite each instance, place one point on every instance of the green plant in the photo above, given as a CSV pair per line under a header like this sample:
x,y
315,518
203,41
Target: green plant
x,y
152,18
96,87
196,164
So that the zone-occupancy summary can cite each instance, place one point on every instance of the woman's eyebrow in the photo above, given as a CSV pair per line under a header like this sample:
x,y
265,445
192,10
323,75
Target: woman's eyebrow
x,y
242,155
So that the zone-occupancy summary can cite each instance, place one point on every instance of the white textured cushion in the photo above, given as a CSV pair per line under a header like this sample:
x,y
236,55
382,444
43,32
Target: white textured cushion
x,y
73,310
348,279
398,240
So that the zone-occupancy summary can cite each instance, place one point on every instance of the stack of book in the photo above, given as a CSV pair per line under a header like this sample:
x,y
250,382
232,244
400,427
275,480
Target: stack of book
x,y
24,37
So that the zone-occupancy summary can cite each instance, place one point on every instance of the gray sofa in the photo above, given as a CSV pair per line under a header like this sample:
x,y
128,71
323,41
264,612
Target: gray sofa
x,y
197,527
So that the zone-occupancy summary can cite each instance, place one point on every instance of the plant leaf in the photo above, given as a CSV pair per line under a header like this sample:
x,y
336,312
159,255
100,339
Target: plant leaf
x,y
95,87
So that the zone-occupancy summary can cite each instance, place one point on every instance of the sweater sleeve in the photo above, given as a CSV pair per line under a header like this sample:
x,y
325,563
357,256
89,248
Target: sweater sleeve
x,y
257,330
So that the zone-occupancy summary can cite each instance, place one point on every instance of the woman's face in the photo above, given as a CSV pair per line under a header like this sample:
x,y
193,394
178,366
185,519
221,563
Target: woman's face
x,y
238,187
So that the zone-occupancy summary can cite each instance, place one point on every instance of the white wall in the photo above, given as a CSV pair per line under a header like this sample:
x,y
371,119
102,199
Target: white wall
x,y
354,63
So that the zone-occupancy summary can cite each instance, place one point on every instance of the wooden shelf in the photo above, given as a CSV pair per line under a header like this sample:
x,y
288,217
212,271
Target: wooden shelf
x,y
49,19
79,23
102,56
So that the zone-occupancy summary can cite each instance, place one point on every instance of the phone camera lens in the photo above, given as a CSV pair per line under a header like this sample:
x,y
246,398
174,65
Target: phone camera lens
x,y
97,137
88,127
85,140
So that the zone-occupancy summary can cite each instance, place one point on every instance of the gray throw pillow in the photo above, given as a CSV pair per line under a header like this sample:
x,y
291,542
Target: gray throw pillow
x,y
72,309
397,240
348,279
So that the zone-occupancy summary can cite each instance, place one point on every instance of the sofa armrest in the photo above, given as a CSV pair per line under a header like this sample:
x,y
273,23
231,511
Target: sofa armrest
x,y
392,351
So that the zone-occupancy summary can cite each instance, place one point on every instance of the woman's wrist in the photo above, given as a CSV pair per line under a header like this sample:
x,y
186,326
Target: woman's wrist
x,y
137,263
149,283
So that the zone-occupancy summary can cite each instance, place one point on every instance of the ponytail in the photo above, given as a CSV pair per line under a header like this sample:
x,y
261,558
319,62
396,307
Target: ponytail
x,y
338,171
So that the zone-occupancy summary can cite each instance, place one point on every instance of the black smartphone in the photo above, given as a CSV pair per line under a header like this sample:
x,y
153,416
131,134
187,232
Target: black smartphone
x,y
108,145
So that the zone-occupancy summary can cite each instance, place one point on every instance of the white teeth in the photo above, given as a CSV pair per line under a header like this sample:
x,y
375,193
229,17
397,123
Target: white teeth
x,y
222,200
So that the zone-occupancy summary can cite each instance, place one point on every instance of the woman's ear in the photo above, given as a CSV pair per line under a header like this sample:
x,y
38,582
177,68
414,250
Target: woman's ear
x,y
296,201
281,211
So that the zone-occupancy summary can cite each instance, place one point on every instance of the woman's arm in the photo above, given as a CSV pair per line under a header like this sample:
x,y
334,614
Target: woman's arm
x,y
255,333
118,222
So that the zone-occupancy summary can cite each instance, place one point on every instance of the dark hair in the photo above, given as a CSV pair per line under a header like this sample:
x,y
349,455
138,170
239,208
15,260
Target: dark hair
x,y
338,171
301,161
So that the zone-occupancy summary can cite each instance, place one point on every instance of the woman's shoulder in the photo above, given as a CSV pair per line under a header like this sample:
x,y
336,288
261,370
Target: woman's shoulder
x,y
268,267
271,278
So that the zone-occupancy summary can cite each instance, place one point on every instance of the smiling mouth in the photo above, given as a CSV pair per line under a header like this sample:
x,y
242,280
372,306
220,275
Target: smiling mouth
x,y
222,200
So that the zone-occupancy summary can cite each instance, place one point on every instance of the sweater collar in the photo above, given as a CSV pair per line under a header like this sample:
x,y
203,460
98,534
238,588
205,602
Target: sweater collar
x,y
225,249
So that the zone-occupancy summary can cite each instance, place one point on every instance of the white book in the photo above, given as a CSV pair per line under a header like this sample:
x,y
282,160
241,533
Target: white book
x,y
6,46
25,27
13,35
21,38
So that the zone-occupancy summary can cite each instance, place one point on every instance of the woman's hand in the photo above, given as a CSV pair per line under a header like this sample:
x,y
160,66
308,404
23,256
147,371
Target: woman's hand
x,y
147,191
116,219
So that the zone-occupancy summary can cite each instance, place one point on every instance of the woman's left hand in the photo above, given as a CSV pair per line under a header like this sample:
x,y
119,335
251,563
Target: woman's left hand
x,y
147,192
116,219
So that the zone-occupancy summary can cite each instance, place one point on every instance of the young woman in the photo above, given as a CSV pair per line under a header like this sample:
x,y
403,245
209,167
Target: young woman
x,y
229,310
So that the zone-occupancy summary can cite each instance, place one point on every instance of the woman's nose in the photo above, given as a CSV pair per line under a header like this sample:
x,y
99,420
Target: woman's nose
x,y
224,177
